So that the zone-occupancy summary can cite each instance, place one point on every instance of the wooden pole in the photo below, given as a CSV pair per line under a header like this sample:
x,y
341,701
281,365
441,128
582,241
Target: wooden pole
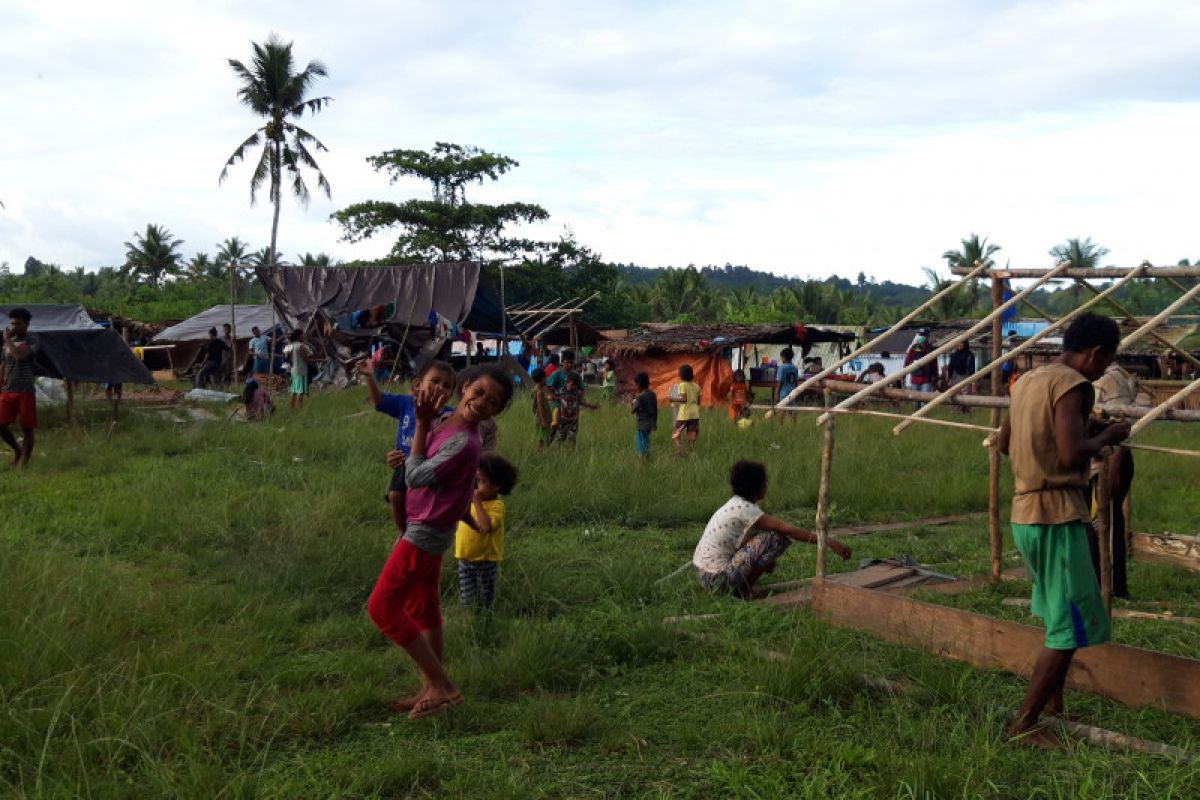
x,y
70,400
1153,322
1104,533
995,538
823,490
993,317
1091,273
835,366
863,412
1174,348
1030,342
232,377
1164,406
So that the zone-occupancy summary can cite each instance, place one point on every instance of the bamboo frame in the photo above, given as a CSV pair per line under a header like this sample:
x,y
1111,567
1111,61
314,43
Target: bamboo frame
x,y
1164,406
1153,322
1016,351
1104,533
1179,351
949,345
1091,273
823,491
909,317
862,412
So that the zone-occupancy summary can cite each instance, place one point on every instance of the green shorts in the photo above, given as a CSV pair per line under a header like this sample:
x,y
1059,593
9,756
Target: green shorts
x,y
299,384
1066,594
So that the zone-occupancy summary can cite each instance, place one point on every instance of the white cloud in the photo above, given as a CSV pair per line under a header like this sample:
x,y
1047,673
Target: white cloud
x,y
806,138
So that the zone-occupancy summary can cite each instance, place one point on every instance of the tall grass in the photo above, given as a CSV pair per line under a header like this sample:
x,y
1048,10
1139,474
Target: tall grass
x,y
183,617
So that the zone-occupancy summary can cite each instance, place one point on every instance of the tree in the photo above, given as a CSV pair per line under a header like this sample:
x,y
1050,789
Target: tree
x,y
273,90
974,249
447,227
152,255
232,251
959,303
201,266
1079,253
318,260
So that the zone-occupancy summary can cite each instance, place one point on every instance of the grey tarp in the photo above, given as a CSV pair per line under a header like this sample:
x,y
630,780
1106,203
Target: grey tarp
x,y
414,289
71,347
196,328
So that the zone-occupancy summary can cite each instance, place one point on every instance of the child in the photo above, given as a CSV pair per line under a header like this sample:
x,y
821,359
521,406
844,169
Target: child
x,y
257,401
740,542
1046,439
872,374
787,375
479,542
608,380
556,382
687,418
436,375
440,473
645,407
300,353
569,401
541,409
739,396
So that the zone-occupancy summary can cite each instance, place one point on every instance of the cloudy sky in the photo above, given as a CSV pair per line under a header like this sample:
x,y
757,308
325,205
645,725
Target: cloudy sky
x,y
804,138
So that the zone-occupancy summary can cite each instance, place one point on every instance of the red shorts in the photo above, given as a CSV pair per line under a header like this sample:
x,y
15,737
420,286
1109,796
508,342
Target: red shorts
x,y
406,598
18,405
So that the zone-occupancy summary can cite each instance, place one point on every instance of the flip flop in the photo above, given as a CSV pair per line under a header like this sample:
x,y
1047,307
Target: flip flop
x,y
431,705
404,704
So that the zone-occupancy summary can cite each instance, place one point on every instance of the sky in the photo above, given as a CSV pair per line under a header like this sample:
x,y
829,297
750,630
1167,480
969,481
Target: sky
x,y
802,138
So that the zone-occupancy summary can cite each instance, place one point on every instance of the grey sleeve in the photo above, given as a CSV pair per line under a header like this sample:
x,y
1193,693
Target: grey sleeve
x,y
420,471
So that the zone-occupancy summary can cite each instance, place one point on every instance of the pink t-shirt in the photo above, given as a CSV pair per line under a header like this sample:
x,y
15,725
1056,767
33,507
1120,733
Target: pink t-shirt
x,y
440,485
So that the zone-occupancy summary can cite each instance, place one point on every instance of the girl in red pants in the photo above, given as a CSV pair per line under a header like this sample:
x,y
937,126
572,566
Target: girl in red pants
x,y
440,474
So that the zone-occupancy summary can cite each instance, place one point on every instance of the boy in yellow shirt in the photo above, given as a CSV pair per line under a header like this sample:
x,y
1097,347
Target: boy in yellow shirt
x,y
479,541
686,396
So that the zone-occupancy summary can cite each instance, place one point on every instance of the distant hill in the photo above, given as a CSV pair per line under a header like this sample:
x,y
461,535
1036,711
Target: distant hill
x,y
743,277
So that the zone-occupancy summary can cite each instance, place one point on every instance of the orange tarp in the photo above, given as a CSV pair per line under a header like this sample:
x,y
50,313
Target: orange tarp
x,y
712,372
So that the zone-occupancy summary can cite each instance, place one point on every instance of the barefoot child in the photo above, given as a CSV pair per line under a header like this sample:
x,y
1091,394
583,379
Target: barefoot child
x,y
479,542
440,472
1046,439
541,409
645,407
299,353
739,395
18,399
436,375
687,419
740,542
569,401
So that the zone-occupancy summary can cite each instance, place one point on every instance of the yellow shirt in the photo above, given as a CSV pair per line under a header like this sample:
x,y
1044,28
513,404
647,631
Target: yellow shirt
x,y
471,545
690,407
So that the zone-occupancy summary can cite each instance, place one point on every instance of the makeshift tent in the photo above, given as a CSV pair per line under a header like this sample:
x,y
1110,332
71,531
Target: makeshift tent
x,y
188,336
660,349
70,346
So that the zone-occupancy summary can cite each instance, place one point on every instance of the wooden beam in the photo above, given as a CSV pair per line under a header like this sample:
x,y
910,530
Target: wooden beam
x,y
1120,613
862,530
1183,551
995,534
1089,274
1129,675
822,519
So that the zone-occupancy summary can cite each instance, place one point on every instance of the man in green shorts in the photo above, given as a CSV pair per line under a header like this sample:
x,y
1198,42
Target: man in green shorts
x,y
1047,438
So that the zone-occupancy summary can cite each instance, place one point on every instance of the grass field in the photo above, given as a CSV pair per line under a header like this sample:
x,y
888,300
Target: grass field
x,y
183,616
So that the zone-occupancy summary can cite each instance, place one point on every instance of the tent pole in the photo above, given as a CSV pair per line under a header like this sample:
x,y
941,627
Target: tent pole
x,y
70,401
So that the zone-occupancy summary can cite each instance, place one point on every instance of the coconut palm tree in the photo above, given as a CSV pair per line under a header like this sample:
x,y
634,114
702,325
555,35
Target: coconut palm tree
x,y
232,251
318,260
953,305
273,90
202,266
974,249
152,255
1079,254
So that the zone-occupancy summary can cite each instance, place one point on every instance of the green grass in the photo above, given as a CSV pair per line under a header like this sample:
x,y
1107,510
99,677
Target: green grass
x,y
183,616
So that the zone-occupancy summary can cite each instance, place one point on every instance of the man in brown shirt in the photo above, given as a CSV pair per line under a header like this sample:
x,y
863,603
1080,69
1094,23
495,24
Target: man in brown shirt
x,y
1117,385
1046,437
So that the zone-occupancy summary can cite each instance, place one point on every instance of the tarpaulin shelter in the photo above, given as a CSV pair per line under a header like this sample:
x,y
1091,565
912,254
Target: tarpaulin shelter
x,y
189,335
70,346
408,303
660,350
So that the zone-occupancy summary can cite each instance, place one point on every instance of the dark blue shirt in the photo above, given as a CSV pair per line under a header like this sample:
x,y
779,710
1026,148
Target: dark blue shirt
x,y
401,407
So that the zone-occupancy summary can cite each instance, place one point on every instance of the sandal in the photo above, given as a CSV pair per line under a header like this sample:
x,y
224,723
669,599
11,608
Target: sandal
x,y
435,705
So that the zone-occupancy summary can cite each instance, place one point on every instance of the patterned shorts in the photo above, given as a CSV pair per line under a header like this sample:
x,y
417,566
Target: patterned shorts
x,y
749,562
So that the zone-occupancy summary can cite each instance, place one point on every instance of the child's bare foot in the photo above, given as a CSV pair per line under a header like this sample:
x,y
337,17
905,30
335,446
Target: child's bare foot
x,y
1035,736
406,704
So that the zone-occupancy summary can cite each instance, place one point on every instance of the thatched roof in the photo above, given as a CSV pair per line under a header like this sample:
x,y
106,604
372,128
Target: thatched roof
x,y
661,338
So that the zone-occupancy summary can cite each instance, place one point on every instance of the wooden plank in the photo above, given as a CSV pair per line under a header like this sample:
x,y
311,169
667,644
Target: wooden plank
x,y
1126,674
1183,551
1119,613
872,576
799,597
929,522
911,582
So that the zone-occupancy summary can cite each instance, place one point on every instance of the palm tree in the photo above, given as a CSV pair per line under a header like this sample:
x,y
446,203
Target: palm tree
x,y
272,89
1079,254
202,266
318,260
232,251
153,255
973,250
954,305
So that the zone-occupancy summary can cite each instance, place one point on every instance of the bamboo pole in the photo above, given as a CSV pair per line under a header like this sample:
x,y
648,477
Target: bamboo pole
x,y
862,412
823,490
1112,301
805,384
992,318
1021,348
1090,273
995,537
1153,322
1104,533
1154,449
1164,406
